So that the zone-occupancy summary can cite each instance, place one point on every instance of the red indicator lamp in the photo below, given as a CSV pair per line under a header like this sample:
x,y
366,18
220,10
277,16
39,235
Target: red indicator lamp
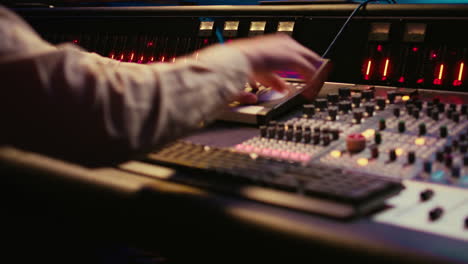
x,y
122,57
149,44
75,41
401,79
415,49
152,59
132,56
112,56
379,48
205,41
385,71
420,81
163,59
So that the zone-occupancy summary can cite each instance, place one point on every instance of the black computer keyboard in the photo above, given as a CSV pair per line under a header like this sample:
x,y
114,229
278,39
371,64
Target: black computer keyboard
x,y
314,189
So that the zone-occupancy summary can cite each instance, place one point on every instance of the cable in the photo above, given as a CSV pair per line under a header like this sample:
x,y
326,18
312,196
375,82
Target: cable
x,y
347,22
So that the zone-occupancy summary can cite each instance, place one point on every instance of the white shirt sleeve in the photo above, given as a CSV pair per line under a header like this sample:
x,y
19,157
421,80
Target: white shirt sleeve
x,y
66,102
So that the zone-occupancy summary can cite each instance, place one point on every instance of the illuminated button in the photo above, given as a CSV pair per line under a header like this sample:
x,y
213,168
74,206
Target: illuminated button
x,y
344,92
443,131
382,124
362,162
308,110
411,157
286,27
335,153
355,143
420,141
368,133
401,126
435,213
399,151
405,98
426,195
422,129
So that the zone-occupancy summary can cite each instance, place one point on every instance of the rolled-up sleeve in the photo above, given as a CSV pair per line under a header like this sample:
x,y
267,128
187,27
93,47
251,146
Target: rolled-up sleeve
x,y
66,102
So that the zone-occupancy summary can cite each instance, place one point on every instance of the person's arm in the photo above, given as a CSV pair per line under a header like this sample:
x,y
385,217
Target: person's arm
x,y
77,105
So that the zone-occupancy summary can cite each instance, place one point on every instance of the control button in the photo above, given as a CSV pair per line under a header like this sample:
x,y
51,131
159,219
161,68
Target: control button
x,y
409,109
332,98
289,134
435,115
325,139
357,116
418,104
335,134
453,107
381,102
443,131
456,117
382,124
367,95
344,92
396,112
369,107
332,112
401,126
411,157
355,143
440,156
392,155
441,107
448,160
377,138
449,113
464,109
344,106
280,131
316,138
422,129
271,131
298,135
317,129
263,131
374,151
426,195
321,103
356,100
427,166
309,110
456,172
391,96
416,113
435,213
307,136
429,111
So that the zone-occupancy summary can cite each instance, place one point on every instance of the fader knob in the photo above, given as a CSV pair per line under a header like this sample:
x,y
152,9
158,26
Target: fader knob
x,y
332,98
356,100
307,136
321,103
409,109
411,157
391,96
448,160
298,135
289,134
429,111
374,152
308,110
271,132
355,143
416,113
456,117
316,138
456,172
367,95
449,113
441,107
401,126
427,166
263,131
344,92
396,112
326,139
332,112
344,106
435,213
381,102
418,104
369,108
435,115
392,155
377,138
464,109
357,116
382,124
426,195
280,131
422,129
453,107
443,131
440,156
335,134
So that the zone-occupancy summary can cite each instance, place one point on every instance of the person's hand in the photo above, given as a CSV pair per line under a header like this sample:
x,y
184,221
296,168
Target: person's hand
x,y
270,53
